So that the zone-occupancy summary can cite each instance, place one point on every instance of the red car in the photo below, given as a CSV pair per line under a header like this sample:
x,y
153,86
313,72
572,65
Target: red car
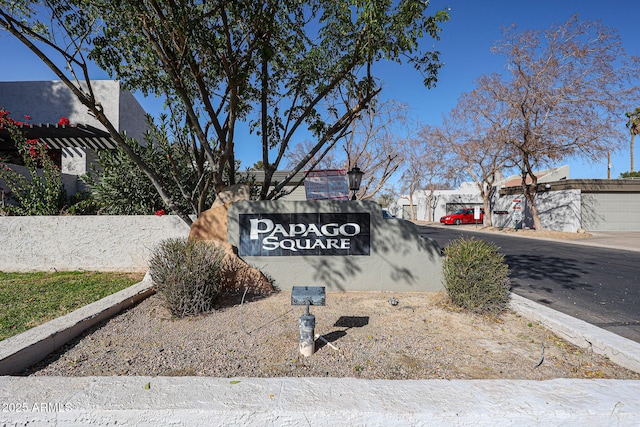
x,y
463,216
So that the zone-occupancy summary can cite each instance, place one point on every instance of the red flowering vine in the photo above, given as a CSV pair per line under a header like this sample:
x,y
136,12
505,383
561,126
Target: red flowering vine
x,y
6,121
32,145
39,193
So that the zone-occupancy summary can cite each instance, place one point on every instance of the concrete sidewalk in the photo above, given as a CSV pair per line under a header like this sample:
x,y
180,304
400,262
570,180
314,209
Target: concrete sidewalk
x,y
202,401
196,401
622,240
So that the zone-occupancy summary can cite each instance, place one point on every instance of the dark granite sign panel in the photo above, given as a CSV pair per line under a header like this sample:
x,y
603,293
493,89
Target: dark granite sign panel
x,y
295,234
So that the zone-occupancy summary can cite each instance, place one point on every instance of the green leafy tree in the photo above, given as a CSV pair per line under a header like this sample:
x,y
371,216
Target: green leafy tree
x,y
278,67
40,191
118,187
630,174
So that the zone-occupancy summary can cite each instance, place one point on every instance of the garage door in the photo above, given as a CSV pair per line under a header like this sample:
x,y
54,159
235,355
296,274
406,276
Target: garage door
x,y
406,211
611,211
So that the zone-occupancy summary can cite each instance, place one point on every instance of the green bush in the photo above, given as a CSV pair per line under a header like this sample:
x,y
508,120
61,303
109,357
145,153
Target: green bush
x,y
476,276
120,187
188,274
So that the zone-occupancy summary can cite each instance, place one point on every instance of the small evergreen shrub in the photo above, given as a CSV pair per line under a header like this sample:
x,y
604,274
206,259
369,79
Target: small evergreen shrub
x,y
476,276
188,274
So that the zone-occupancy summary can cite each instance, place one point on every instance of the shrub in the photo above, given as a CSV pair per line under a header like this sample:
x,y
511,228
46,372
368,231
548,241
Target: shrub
x,y
188,274
39,191
118,185
476,276
81,203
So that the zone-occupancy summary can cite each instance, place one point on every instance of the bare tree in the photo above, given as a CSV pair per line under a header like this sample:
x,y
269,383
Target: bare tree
x,y
427,167
474,131
374,143
322,160
566,89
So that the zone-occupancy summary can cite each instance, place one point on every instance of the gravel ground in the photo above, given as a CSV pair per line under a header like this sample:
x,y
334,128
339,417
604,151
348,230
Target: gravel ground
x,y
419,338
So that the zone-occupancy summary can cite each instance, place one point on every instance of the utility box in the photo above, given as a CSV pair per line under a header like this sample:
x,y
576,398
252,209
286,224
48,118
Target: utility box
x,y
311,295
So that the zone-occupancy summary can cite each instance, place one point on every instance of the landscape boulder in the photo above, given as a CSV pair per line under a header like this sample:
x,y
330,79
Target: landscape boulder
x,y
232,194
240,276
211,226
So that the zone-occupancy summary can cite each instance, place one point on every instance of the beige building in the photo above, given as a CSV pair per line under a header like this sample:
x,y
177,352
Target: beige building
x,y
73,146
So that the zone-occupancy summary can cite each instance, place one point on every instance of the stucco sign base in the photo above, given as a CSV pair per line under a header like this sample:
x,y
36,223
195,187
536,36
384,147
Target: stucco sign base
x,y
399,259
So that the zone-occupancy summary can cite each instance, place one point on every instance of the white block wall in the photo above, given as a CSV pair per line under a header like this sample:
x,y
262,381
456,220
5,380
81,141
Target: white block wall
x,y
93,243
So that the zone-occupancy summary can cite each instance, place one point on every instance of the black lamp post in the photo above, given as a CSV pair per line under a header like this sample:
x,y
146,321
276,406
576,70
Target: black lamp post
x,y
355,177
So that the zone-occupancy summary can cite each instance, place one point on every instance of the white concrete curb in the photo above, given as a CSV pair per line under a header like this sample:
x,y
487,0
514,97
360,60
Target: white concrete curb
x,y
622,351
34,345
202,401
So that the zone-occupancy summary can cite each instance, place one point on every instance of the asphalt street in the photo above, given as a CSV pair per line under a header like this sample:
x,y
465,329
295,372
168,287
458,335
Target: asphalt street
x,y
598,285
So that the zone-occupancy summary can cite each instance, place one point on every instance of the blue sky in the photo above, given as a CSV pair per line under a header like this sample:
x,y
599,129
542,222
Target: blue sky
x,y
474,27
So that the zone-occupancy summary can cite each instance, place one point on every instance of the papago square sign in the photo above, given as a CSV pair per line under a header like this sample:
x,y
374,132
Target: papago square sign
x,y
329,184
365,252
297,234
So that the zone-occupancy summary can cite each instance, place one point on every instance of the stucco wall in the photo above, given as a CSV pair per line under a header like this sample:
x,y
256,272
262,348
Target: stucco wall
x,y
558,210
47,101
399,260
95,243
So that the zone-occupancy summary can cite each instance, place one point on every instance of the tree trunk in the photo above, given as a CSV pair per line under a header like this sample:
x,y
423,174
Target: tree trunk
x,y
487,209
530,195
413,215
530,192
633,135
430,206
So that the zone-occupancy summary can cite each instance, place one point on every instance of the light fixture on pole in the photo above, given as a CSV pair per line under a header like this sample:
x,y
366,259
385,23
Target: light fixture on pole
x,y
355,177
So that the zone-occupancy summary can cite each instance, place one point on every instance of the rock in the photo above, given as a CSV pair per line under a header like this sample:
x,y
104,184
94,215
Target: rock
x,y
232,194
240,276
211,224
